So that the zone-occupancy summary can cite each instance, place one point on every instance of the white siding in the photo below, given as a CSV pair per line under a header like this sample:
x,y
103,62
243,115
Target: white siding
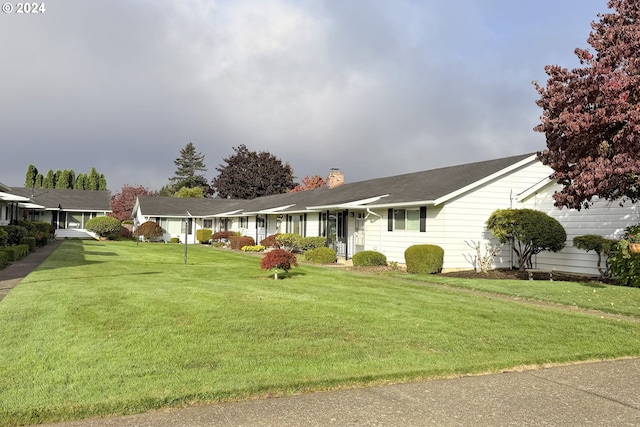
x,y
454,223
603,219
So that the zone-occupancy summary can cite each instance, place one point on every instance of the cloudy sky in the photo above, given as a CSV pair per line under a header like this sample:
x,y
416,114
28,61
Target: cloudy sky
x,y
373,87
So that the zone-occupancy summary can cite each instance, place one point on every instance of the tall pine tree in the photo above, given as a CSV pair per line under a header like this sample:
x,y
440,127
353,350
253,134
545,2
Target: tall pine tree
x,y
188,165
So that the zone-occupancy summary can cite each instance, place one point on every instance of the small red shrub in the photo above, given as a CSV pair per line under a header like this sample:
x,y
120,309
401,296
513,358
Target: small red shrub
x,y
280,259
238,242
222,235
270,241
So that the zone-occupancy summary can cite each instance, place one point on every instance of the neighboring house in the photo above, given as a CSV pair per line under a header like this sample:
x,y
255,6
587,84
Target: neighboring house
x,y
67,210
182,217
10,205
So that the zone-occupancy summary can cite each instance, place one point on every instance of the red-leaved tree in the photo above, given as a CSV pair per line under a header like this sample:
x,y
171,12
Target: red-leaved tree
x,y
122,203
309,183
278,259
591,115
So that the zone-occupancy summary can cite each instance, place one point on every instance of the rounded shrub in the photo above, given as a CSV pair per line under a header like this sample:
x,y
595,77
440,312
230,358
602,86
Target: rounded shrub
x,y
369,259
103,226
425,259
238,242
203,235
149,230
321,255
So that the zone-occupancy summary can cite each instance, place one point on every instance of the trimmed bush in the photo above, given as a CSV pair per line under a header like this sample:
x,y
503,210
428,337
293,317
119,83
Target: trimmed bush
x,y
369,259
425,259
14,253
204,235
278,259
321,255
15,233
237,242
4,238
174,240
103,226
289,241
270,241
528,231
149,230
224,235
4,259
308,243
600,245
29,241
256,248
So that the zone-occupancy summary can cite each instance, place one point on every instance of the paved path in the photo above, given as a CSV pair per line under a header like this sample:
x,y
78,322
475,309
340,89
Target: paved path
x,y
587,394
11,275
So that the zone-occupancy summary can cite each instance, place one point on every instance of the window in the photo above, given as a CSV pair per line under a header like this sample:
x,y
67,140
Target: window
x,y
244,222
408,219
207,223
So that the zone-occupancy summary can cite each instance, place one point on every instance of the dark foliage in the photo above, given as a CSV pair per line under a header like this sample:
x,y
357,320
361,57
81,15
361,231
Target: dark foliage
x,y
249,174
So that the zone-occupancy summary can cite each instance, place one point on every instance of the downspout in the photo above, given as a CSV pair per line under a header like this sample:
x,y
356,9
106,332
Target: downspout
x,y
370,212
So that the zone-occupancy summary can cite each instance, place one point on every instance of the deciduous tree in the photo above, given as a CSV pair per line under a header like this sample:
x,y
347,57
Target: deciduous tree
x,y
591,115
310,183
249,174
122,203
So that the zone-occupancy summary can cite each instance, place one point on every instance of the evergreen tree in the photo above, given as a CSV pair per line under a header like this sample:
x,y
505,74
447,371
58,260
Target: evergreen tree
x,y
188,165
93,182
61,183
39,181
81,182
30,179
49,180
102,183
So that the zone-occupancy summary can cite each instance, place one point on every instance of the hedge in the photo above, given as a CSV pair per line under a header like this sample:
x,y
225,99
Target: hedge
x,y
322,255
17,252
426,259
4,259
369,259
29,241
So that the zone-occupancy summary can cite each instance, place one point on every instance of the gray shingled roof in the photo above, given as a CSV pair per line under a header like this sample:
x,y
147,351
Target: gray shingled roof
x,y
176,206
73,200
408,188
422,186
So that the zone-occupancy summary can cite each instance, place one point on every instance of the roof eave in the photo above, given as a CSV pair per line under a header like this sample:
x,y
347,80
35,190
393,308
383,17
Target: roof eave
x,y
532,158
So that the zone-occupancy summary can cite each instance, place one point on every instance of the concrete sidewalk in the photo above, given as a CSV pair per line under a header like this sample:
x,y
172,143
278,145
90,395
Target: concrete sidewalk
x,y
587,394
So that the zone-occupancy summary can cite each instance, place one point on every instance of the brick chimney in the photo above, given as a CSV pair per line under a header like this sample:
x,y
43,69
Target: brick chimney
x,y
335,178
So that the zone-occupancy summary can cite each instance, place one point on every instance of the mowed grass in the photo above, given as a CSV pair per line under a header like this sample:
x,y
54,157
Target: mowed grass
x,y
114,328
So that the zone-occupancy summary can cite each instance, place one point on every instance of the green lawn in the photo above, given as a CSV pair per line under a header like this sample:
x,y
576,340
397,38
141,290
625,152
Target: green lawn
x,y
111,327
